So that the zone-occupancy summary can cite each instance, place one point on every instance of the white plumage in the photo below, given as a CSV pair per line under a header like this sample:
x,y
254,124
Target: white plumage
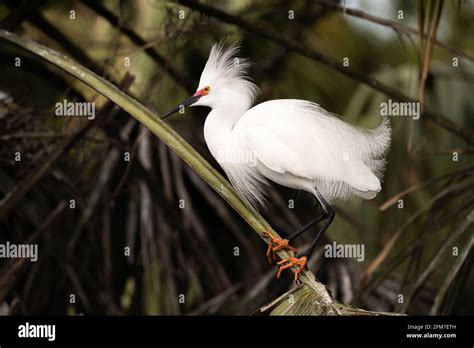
x,y
292,142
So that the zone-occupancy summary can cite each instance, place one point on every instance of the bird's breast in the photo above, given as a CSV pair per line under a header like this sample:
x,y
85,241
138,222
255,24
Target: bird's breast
x,y
225,144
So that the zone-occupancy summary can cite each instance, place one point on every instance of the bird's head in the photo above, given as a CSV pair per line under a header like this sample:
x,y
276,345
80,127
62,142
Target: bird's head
x,y
223,81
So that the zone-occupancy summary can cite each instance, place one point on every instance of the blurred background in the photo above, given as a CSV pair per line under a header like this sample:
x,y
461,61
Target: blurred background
x,y
87,191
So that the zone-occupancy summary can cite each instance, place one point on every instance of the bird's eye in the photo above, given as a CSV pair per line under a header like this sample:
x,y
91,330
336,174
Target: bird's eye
x,y
207,89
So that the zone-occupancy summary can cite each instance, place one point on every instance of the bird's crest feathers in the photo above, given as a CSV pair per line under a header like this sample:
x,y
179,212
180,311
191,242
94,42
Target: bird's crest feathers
x,y
225,69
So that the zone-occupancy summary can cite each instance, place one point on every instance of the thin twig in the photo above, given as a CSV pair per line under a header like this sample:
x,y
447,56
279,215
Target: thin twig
x,y
454,271
397,26
12,267
437,259
392,200
19,191
137,40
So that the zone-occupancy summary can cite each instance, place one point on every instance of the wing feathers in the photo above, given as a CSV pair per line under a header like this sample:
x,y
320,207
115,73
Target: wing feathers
x,y
301,138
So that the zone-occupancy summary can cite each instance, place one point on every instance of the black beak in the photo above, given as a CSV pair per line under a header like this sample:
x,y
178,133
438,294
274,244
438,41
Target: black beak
x,y
182,105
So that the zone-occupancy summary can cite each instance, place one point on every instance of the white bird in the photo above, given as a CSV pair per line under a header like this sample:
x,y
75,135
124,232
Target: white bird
x,y
294,143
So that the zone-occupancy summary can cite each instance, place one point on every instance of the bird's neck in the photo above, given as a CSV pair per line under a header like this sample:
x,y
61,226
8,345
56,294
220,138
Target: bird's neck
x,y
218,128
225,117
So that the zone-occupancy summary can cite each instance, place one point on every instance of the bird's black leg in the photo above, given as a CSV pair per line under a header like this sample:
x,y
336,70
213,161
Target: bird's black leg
x,y
306,227
327,212
300,262
278,243
328,218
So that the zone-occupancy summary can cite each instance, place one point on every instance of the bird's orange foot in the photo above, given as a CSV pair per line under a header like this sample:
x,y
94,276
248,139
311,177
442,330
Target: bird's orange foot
x,y
275,245
291,262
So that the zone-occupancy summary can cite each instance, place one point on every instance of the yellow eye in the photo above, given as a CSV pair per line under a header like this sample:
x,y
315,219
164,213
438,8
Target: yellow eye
x,y
207,89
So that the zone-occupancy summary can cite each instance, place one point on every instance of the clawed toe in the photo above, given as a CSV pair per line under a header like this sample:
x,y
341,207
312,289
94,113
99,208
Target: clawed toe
x,y
291,262
275,245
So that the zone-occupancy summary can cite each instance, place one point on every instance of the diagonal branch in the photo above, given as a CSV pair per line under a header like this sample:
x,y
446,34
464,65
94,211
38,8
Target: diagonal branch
x,y
298,47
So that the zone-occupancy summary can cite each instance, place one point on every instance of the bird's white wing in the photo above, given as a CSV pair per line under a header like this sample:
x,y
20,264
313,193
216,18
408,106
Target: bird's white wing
x,y
299,137
271,151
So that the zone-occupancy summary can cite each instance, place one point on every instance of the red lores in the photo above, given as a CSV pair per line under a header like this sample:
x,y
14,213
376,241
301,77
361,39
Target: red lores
x,y
202,92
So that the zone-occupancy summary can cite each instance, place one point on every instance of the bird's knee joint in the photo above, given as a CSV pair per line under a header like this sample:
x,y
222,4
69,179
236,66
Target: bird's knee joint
x,y
331,213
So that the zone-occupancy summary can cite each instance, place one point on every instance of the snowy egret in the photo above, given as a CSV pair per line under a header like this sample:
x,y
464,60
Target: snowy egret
x,y
294,143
